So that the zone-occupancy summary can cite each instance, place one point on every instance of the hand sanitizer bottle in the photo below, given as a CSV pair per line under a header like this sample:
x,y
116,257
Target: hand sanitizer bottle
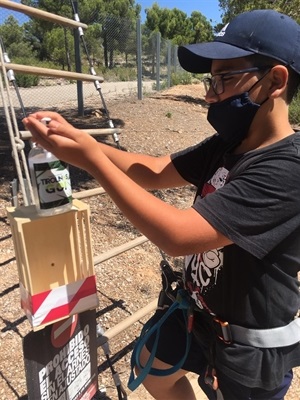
x,y
51,182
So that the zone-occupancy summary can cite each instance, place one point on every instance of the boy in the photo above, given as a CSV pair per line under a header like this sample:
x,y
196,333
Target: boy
x,y
241,236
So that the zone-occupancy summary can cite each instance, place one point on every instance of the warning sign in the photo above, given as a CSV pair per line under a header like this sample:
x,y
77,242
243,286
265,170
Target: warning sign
x,y
61,360
62,331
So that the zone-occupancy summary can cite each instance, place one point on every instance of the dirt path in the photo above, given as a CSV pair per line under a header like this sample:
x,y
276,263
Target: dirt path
x,y
42,96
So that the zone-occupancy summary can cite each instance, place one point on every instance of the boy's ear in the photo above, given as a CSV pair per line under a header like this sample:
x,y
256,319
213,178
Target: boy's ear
x,y
279,76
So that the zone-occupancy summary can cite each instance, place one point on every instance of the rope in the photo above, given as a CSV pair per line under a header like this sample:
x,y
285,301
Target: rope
x,y
17,144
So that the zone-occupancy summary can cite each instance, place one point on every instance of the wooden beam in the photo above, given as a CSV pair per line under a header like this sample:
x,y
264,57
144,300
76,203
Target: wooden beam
x,y
83,194
36,13
126,323
25,135
31,70
120,249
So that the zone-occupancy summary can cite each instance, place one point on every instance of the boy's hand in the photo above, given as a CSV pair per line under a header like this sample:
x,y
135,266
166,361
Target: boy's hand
x,y
62,139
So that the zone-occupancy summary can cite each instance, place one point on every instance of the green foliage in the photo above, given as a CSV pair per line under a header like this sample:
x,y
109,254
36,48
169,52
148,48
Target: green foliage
x,y
232,8
118,74
294,110
11,32
126,74
202,30
176,26
14,39
22,79
181,78
20,49
25,80
111,23
59,45
178,78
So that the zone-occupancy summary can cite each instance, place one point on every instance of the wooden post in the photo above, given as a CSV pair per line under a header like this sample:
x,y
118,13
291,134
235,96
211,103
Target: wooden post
x,y
35,12
31,70
55,263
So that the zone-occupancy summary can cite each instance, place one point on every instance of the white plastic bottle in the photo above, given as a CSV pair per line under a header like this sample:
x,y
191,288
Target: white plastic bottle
x,y
51,182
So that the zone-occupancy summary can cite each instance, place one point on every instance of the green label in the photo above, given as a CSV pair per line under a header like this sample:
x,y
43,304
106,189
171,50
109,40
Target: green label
x,y
53,184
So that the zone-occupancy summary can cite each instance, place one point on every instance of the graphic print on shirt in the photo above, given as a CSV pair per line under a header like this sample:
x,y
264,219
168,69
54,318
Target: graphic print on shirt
x,y
202,269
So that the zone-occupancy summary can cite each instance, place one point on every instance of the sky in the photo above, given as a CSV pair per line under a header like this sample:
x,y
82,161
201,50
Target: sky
x,y
5,12
209,8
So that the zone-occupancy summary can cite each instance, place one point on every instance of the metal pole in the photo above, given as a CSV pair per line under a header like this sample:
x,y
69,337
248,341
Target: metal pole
x,y
78,66
175,49
139,58
158,61
169,62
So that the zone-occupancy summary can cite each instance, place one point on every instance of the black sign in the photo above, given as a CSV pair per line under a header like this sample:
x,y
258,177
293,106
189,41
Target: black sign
x,y
61,359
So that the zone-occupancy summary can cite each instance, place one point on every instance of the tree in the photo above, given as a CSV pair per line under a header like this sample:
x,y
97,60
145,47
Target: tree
x,y
114,20
175,25
118,23
172,24
202,29
14,40
37,30
55,42
232,8
11,32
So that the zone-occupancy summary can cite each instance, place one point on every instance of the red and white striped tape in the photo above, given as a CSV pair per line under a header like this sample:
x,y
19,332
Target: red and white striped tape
x,y
61,302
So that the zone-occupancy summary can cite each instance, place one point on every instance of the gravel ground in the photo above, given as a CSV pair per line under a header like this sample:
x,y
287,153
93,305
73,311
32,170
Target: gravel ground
x,y
159,124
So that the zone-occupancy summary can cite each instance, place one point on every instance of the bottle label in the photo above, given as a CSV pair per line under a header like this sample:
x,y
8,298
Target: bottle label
x,y
53,184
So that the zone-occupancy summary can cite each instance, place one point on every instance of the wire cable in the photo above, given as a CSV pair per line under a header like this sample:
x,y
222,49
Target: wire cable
x,y
93,72
122,395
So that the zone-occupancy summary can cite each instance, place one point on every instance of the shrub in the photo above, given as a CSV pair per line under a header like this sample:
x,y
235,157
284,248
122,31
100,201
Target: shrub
x,y
294,111
181,78
26,80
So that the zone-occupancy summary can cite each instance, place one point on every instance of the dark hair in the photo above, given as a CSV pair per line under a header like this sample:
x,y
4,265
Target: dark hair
x,y
293,80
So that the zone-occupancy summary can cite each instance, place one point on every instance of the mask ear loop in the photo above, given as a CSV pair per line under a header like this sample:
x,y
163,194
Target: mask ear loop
x,y
260,79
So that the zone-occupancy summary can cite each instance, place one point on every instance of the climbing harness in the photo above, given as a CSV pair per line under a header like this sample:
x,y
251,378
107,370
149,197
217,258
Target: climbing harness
x,y
182,303
282,336
172,297
211,380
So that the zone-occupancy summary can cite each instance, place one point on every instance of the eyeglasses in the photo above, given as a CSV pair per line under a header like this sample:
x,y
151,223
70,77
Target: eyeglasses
x,y
217,81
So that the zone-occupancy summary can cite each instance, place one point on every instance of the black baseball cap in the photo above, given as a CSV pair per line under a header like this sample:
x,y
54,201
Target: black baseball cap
x,y
265,32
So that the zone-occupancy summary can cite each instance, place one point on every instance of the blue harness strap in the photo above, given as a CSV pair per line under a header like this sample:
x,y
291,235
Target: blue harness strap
x,y
148,330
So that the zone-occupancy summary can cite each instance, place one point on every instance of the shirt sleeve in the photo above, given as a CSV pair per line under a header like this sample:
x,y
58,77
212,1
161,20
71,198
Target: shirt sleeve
x,y
199,161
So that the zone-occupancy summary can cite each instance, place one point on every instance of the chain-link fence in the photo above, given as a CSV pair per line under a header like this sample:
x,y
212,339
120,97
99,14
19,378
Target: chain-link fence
x,y
130,59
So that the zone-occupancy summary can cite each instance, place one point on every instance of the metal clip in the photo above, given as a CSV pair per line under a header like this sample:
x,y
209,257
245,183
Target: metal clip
x,y
211,378
223,330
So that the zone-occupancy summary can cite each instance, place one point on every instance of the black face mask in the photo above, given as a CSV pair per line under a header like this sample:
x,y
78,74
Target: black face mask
x,y
232,117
